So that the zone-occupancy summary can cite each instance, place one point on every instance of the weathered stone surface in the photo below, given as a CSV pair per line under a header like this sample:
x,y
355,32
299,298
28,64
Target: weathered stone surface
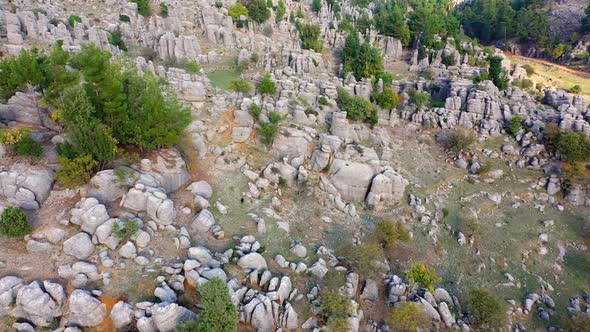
x,y
85,310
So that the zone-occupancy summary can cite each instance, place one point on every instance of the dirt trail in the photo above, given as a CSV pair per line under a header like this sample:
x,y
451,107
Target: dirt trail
x,y
549,65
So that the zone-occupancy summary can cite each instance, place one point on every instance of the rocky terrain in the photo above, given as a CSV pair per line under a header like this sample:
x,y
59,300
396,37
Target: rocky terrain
x,y
284,223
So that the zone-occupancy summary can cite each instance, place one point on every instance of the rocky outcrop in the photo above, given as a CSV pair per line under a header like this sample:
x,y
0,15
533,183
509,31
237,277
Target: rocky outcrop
x,y
85,309
25,186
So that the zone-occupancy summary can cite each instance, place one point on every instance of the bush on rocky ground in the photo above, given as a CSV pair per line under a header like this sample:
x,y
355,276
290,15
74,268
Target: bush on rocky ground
x,y
334,310
389,233
514,125
143,7
14,223
387,99
408,317
219,313
357,108
458,140
423,276
575,146
486,309
75,172
267,86
310,37
236,10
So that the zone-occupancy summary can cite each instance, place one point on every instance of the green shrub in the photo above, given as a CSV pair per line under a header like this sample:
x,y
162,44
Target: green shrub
x,y
423,276
386,77
361,59
255,111
219,314
241,86
258,11
267,86
163,10
389,233
188,326
580,322
29,68
236,10
408,317
124,18
486,309
576,89
219,4
28,147
274,117
334,310
458,140
437,103
363,258
575,146
310,37
300,14
76,172
514,125
280,11
420,99
357,108
73,19
316,6
13,136
126,228
14,223
115,39
323,101
449,60
192,67
387,99
268,132
143,7
496,72
523,84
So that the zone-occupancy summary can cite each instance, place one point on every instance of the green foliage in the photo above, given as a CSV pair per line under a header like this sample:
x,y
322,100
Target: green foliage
x,y
310,37
188,326
192,67
124,18
14,223
560,50
576,89
364,258
575,146
334,310
458,140
240,86
236,10
387,99
362,60
280,11
274,117
357,108
530,71
389,233
28,147
28,68
116,40
449,60
386,77
255,111
486,309
268,132
219,314
76,172
143,7
496,73
420,98
13,136
423,276
514,125
258,11
163,10
523,84
300,14
126,228
409,317
586,20
267,86
323,101
73,19
316,6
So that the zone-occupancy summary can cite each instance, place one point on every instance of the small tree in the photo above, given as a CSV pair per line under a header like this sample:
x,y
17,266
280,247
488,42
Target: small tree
x,y
255,111
576,89
143,7
280,11
73,19
389,233
496,73
126,228
316,6
423,276
258,11
268,132
409,317
357,108
14,223
28,147
236,10
575,146
387,99
267,86
458,140
486,309
334,311
514,125
310,37
420,99
219,314
240,86
163,10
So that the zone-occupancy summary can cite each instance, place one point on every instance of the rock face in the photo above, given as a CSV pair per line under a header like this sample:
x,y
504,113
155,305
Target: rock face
x,y
252,261
155,202
85,309
79,246
168,315
25,186
39,303
105,186
351,179
386,188
89,215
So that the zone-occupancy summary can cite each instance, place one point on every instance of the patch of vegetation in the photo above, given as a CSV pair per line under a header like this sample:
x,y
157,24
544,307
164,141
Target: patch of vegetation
x,y
75,172
73,19
530,71
486,309
115,39
334,310
267,86
268,131
241,86
496,72
389,233
575,146
408,317
514,125
143,7
458,140
362,60
523,84
576,89
310,37
192,67
14,223
28,147
258,11
124,18
280,11
255,111
323,101
387,99
423,276
316,6
219,313
188,326
364,258
126,228
236,10
357,108
419,98
163,10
